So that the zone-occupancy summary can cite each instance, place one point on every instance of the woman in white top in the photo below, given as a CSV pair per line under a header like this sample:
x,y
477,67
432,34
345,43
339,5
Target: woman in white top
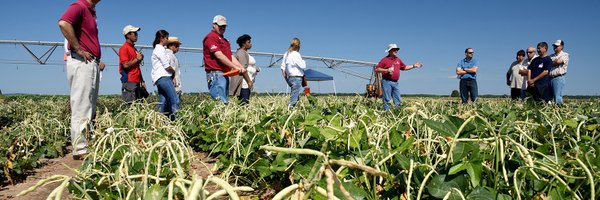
x,y
513,77
172,48
162,76
252,69
292,68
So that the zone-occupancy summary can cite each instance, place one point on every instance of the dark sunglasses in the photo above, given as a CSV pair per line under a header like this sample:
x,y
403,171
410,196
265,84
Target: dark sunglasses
x,y
531,52
470,52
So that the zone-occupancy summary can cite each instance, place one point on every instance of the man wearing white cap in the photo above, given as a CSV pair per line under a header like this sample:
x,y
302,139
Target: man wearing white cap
x,y
390,67
218,59
129,66
560,59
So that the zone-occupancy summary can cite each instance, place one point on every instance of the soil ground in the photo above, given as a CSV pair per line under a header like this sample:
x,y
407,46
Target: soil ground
x,y
200,165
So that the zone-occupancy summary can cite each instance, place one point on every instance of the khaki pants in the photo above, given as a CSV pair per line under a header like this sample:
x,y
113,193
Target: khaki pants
x,y
84,80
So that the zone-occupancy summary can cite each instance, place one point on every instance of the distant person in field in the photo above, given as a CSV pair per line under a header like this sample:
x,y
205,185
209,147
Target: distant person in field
x,y
514,78
218,59
173,48
162,76
537,77
253,70
531,54
237,85
78,26
390,67
292,69
560,59
466,70
129,66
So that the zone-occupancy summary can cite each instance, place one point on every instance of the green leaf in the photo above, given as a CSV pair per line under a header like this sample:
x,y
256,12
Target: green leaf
x,y
312,118
444,129
441,184
592,127
503,197
480,193
155,192
354,139
463,149
262,166
457,168
328,133
407,144
474,171
396,138
571,123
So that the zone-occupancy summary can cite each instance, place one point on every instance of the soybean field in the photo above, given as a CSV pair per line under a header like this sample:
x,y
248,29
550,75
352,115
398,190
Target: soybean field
x,y
327,147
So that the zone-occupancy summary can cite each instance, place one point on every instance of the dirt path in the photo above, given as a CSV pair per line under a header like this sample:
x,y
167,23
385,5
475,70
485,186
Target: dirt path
x,y
200,165
50,167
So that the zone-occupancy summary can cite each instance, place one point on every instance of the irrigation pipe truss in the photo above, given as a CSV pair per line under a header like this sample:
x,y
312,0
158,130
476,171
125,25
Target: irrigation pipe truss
x,y
333,63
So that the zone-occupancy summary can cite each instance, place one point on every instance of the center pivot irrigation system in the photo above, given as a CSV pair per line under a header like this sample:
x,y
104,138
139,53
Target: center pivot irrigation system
x,y
332,63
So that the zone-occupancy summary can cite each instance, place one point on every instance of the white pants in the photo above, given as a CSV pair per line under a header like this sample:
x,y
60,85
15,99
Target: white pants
x,y
84,82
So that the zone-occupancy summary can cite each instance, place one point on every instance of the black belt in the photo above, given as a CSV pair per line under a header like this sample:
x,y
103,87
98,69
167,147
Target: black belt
x,y
77,57
467,79
559,75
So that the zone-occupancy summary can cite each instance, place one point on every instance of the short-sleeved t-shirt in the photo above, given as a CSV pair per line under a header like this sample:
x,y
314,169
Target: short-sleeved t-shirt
x,y
83,19
212,43
127,53
538,66
464,63
388,62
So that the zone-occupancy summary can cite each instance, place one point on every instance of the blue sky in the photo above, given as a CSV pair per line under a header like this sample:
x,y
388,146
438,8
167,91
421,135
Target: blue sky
x,y
433,32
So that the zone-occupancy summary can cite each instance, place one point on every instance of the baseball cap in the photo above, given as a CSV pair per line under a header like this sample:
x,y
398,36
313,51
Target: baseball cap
x,y
559,43
392,46
130,28
220,20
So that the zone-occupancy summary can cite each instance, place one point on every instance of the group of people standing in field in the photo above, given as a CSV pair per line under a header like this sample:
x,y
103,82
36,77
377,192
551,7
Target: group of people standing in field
x,y
229,74
542,75
79,27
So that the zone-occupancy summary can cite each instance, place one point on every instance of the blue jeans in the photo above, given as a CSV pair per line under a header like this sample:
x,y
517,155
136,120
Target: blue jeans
x,y
468,87
218,86
295,83
557,86
168,98
390,89
244,96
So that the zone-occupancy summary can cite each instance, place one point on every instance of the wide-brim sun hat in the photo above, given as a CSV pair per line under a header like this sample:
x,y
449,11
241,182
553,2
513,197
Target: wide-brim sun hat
x,y
173,40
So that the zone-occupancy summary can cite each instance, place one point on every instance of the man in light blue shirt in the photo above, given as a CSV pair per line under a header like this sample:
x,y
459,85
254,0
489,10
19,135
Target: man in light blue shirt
x,y
467,73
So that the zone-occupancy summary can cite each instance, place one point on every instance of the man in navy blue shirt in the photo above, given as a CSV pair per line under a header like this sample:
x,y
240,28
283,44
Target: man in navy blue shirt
x,y
466,70
537,75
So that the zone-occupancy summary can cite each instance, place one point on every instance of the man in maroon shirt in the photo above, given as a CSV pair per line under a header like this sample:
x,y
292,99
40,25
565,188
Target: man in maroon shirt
x,y
218,59
390,67
129,66
78,25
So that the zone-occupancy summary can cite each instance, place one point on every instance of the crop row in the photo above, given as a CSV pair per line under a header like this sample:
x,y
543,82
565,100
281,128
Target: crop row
x,y
334,147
